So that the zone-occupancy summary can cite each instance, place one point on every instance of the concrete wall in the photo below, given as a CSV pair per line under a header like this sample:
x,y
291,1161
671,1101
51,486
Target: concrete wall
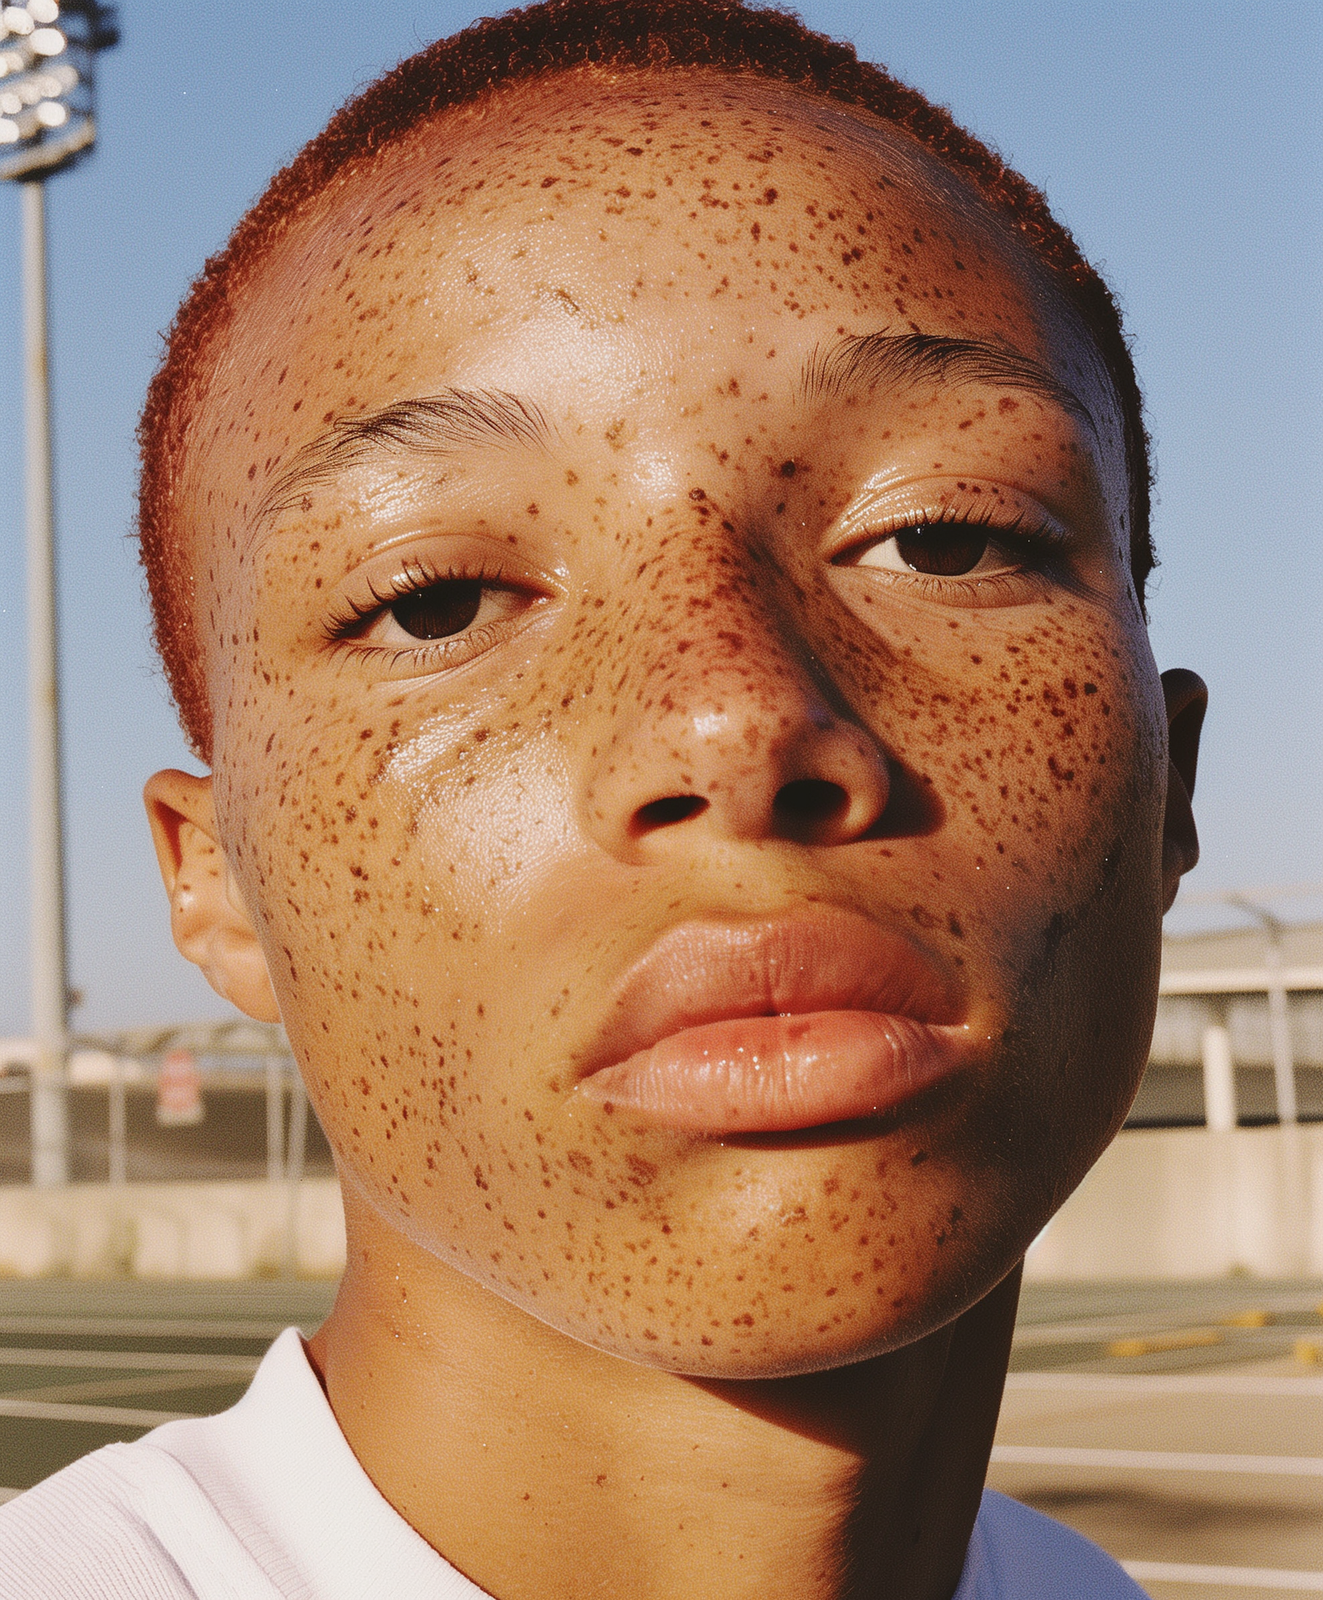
x,y
1161,1203
171,1230
1186,1203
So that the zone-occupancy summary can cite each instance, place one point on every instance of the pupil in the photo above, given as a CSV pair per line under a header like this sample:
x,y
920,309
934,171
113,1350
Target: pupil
x,y
944,549
440,610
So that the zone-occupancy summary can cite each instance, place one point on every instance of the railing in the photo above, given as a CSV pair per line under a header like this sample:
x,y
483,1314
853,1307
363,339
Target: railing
x,y
242,1060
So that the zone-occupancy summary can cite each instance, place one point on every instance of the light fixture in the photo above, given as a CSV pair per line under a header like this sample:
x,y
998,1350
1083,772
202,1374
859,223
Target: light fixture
x,y
47,55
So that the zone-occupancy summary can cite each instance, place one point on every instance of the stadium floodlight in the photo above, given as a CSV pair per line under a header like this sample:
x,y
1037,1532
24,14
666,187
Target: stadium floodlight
x,y
48,51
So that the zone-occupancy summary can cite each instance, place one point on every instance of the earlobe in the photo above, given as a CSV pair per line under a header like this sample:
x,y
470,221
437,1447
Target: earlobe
x,y
210,924
1186,698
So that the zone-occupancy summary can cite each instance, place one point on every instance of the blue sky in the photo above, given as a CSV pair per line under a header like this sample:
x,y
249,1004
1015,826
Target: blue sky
x,y
1180,142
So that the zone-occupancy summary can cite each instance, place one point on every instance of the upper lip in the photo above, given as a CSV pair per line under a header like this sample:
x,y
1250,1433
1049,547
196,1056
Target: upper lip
x,y
715,971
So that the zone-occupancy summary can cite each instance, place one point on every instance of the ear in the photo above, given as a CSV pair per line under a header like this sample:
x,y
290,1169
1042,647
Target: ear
x,y
210,923
1187,699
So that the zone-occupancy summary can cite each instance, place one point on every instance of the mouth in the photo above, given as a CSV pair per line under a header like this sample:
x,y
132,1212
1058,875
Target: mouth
x,y
776,1026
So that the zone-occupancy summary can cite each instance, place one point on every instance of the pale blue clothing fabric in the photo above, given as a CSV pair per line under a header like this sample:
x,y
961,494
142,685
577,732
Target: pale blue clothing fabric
x,y
268,1502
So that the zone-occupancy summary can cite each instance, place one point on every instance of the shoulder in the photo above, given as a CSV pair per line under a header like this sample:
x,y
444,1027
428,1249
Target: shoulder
x,y
112,1527
1019,1554
81,1534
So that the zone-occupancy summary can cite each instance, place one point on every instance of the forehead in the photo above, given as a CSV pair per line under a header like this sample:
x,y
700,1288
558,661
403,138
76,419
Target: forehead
x,y
592,226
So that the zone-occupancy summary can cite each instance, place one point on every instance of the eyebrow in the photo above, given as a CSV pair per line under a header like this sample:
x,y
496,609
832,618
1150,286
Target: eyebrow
x,y
867,361
431,426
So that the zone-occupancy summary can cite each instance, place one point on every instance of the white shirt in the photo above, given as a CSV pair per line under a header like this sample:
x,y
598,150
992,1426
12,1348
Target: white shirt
x,y
268,1502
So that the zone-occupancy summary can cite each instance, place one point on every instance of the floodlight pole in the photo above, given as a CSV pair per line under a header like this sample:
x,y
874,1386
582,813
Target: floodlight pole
x,y
50,985
59,97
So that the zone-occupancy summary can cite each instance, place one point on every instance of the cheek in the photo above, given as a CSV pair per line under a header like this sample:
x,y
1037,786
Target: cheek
x,y
1039,744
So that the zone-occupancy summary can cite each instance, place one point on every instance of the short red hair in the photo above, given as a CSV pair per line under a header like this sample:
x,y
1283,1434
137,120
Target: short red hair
x,y
536,41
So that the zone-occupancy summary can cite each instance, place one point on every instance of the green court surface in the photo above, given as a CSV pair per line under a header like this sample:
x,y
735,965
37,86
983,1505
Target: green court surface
x,y
82,1364
1181,1426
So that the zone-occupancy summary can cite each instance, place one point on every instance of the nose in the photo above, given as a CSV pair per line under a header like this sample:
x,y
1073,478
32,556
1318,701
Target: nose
x,y
732,733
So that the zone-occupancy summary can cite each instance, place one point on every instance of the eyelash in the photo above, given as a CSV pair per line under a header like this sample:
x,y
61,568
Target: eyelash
x,y
1034,539
345,625
1032,543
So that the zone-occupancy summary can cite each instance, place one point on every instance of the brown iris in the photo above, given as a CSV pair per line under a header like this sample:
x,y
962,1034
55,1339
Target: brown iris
x,y
440,610
945,549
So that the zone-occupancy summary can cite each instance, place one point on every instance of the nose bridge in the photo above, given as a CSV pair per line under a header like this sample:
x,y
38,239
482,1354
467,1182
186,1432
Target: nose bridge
x,y
720,712
721,661
732,646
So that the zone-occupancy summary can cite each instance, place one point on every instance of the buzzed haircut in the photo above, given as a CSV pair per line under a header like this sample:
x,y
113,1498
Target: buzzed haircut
x,y
543,41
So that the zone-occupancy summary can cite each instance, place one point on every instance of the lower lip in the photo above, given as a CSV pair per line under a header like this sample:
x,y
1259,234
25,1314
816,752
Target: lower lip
x,y
780,1074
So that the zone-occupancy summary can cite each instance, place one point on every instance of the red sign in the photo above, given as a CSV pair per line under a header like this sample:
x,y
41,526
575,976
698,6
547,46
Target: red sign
x,y
179,1090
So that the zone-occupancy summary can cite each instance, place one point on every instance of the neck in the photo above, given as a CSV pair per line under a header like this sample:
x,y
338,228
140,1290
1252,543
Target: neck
x,y
541,1467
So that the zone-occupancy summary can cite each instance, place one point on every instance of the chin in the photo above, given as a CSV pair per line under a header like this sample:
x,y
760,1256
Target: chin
x,y
780,1334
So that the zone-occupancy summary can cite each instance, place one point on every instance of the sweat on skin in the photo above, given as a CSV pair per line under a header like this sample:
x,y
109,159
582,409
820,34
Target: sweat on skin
x,y
659,371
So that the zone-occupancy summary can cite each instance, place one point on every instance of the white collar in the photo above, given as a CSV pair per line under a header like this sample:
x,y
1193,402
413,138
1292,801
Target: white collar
x,y
281,1474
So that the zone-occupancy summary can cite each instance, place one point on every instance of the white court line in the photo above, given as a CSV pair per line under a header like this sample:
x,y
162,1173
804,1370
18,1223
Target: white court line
x,y
1243,1577
67,1411
1104,1333
1165,1383
144,1327
146,1360
1048,1455
1097,1332
1141,1323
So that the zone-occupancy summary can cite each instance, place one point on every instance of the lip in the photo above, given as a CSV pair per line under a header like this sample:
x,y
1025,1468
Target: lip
x,y
776,1026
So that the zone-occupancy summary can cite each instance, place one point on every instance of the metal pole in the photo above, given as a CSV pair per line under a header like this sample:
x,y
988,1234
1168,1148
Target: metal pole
x,y
117,1158
275,1118
50,994
1279,1017
1279,1031
298,1147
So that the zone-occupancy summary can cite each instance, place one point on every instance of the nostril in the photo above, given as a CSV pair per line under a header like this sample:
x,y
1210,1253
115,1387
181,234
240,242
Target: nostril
x,y
662,813
809,805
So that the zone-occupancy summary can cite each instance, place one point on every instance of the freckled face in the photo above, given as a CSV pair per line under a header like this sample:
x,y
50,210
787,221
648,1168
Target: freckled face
x,y
752,605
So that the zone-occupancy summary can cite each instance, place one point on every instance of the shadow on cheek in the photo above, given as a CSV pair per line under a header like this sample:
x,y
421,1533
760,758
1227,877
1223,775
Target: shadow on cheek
x,y
913,806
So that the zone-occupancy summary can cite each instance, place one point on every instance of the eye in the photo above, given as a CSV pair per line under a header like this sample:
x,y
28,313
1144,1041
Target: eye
x,y
939,549
422,611
441,610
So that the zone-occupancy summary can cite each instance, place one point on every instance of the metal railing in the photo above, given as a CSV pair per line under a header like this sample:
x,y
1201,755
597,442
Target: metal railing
x,y
239,1059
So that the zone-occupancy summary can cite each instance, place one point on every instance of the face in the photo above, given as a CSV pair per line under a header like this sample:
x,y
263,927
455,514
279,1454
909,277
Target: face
x,y
686,738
